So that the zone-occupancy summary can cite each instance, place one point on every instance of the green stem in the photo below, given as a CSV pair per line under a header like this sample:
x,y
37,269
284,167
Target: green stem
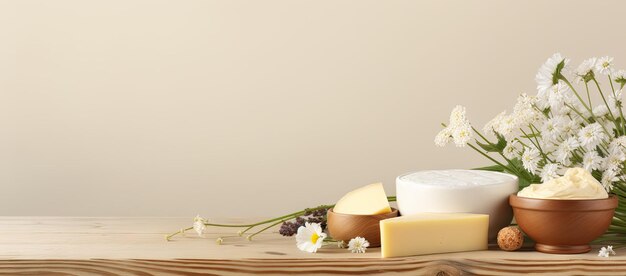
x,y
485,155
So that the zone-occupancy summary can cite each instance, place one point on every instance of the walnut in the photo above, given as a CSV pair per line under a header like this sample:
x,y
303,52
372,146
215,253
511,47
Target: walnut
x,y
510,238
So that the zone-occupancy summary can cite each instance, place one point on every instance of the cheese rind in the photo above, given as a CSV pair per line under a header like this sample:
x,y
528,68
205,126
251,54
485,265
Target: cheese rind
x,y
367,200
429,233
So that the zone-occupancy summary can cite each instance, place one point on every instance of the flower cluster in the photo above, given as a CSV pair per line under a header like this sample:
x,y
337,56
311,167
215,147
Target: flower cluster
x,y
559,127
606,251
290,228
311,237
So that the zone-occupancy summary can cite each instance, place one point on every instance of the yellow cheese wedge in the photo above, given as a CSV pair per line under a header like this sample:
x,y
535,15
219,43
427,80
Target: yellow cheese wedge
x,y
429,233
368,200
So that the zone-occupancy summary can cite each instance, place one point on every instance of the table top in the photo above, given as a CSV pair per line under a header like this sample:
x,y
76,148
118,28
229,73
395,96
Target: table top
x,y
83,246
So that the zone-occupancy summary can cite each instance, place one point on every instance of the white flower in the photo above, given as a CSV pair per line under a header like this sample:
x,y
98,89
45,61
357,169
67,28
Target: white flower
x,y
457,116
507,125
618,144
462,134
494,124
546,75
604,65
606,251
591,135
600,110
559,95
530,159
615,101
310,237
591,160
549,172
564,151
198,225
614,160
524,110
511,150
585,68
620,75
572,127
553,127
443,137
608,177
358,245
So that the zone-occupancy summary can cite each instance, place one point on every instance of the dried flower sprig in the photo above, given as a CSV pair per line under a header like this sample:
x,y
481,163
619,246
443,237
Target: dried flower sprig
x,y
290,223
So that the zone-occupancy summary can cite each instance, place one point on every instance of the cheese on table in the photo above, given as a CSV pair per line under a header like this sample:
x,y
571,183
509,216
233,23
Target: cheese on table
x,y
367,200
429,233
458,191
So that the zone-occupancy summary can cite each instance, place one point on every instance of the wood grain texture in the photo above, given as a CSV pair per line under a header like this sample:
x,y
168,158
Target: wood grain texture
x,y
136,246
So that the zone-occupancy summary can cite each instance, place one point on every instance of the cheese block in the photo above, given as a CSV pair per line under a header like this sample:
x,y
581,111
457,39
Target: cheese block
x,y
458,191
368,200
429,233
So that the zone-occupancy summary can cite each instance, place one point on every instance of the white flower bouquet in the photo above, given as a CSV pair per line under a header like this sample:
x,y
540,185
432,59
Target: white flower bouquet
x,y
561,126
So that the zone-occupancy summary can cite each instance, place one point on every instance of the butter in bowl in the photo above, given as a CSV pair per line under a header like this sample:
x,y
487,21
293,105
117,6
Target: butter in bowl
x,y
565,214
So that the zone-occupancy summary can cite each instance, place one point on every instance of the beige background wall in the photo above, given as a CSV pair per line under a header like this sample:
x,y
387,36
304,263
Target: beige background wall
x,y
254,108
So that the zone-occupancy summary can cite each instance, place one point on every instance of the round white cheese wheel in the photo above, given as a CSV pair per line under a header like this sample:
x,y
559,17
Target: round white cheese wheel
x,y
458,191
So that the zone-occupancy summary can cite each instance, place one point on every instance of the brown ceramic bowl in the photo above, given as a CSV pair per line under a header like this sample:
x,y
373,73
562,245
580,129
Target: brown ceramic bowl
x,y
563,226
344,227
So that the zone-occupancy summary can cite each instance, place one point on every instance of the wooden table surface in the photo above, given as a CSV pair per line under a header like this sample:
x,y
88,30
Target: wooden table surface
x,y
137,246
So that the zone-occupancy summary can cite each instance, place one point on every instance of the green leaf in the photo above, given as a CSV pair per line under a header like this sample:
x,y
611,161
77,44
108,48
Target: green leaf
x,y
494,168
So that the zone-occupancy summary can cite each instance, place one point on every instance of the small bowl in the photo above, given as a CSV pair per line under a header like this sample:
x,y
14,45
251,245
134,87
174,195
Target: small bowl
x,y
344,227
563,226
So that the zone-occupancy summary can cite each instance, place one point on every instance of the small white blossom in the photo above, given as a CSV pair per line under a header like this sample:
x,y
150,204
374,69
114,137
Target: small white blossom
x,y
604,65
545,75
198,225
615,100
614,160
608,177
553,127
358,245
618,144
462,135
559,95
620,75
549,172
443,137
511,150
564,150
585,68
494,124
600,110
457,116
591,160
591,135
606,251
310,237
530,159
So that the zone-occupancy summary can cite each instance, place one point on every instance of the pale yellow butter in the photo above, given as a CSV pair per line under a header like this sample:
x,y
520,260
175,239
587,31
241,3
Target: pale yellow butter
x,y
429,233
577,183
367,200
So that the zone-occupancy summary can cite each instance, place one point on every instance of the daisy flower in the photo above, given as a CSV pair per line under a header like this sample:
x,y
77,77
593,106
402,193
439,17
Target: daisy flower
x,y
604,252
198,225
511,150
620,76
558,95
547,75
530,159
358,245
457,116
310,237
614,160
584,72
462,134
615,101
618,144
600,111
553,127
591,135
591,160
443,137
608,177
604,65
549,172
564,151
494,124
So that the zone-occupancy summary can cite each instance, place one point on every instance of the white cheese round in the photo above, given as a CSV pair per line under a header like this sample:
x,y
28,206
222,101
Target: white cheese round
x,y
458,191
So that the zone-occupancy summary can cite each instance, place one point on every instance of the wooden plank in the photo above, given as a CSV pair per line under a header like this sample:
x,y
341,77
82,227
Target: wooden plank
x,y
136,246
